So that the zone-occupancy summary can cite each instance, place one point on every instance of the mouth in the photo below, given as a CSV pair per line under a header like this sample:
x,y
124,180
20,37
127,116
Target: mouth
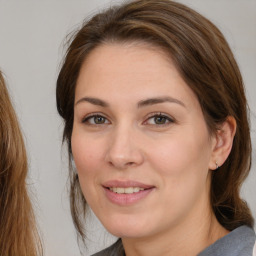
x,y
126,192
129,190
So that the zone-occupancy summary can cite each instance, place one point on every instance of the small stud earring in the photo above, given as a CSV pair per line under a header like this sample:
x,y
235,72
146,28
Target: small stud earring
x,y
217,166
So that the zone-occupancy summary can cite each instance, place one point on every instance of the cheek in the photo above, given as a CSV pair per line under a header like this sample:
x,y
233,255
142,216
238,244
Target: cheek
x,y
86,152
182,163
181,154
87,155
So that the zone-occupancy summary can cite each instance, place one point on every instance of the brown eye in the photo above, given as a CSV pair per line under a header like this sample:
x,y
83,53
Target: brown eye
x,y
99,120
95,120
160,120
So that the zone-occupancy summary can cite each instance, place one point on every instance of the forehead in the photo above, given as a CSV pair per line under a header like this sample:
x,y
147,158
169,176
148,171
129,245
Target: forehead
x,y
134,69
109,56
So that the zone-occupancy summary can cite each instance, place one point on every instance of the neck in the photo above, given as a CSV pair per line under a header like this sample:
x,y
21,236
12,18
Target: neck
x,y
184,239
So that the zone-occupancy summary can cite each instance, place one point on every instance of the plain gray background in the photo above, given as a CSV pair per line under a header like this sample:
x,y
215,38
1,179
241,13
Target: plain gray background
x,y
32,33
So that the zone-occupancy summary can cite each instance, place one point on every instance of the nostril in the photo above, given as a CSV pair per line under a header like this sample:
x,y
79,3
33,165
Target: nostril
x,y
122,159
121,164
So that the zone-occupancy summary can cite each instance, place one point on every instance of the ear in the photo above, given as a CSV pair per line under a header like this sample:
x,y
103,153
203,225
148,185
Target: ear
x,y
222,143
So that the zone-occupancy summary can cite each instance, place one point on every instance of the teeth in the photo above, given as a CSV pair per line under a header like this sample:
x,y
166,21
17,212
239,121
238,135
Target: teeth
x,y
129,190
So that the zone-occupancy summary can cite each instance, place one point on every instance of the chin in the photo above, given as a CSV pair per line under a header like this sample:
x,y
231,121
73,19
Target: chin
x,y
126,232
127,228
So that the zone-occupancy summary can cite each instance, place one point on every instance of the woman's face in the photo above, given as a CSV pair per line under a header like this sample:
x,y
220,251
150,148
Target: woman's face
x,y
140,142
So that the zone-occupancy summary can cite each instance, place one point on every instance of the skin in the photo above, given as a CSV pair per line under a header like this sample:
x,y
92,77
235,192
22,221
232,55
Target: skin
x,y
128,141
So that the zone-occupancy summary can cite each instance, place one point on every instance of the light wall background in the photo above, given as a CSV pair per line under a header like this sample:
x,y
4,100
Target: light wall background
x,y
32,33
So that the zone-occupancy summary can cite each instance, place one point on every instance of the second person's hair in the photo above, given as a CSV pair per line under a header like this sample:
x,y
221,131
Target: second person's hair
x,y
18,232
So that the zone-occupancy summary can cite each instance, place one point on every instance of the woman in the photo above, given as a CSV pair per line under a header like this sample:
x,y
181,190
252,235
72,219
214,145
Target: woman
x,y
18,234
156,122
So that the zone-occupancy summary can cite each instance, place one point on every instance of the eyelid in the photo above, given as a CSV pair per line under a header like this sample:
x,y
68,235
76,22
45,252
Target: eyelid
x,y
156,114
149,116
95,114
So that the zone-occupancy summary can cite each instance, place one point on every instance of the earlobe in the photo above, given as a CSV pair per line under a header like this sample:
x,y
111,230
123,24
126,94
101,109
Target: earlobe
x,y
223,142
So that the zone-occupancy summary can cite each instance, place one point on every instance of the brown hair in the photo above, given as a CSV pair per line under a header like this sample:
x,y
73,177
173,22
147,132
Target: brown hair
x,y
206,63
18,234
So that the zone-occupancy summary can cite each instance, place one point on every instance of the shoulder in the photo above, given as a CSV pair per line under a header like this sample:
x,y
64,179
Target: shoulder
x,y
239,242
115,249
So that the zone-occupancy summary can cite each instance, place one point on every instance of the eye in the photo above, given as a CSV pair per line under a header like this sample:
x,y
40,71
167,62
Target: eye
x,y
159,119
95,120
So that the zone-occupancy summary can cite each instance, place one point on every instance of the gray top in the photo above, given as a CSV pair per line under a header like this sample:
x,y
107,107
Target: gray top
x,y
239,242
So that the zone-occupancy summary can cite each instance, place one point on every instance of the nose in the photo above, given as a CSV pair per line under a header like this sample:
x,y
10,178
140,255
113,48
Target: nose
x,y
124,149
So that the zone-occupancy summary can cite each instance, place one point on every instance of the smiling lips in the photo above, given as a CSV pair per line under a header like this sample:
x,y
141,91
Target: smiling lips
x,y
129,190
126,192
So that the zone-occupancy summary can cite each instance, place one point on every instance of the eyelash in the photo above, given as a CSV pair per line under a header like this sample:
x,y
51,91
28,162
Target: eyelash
x,y
93,116
167,119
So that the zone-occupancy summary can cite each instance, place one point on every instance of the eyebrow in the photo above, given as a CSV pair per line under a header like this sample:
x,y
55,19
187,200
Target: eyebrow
x,y
142,103
153,101
93,101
